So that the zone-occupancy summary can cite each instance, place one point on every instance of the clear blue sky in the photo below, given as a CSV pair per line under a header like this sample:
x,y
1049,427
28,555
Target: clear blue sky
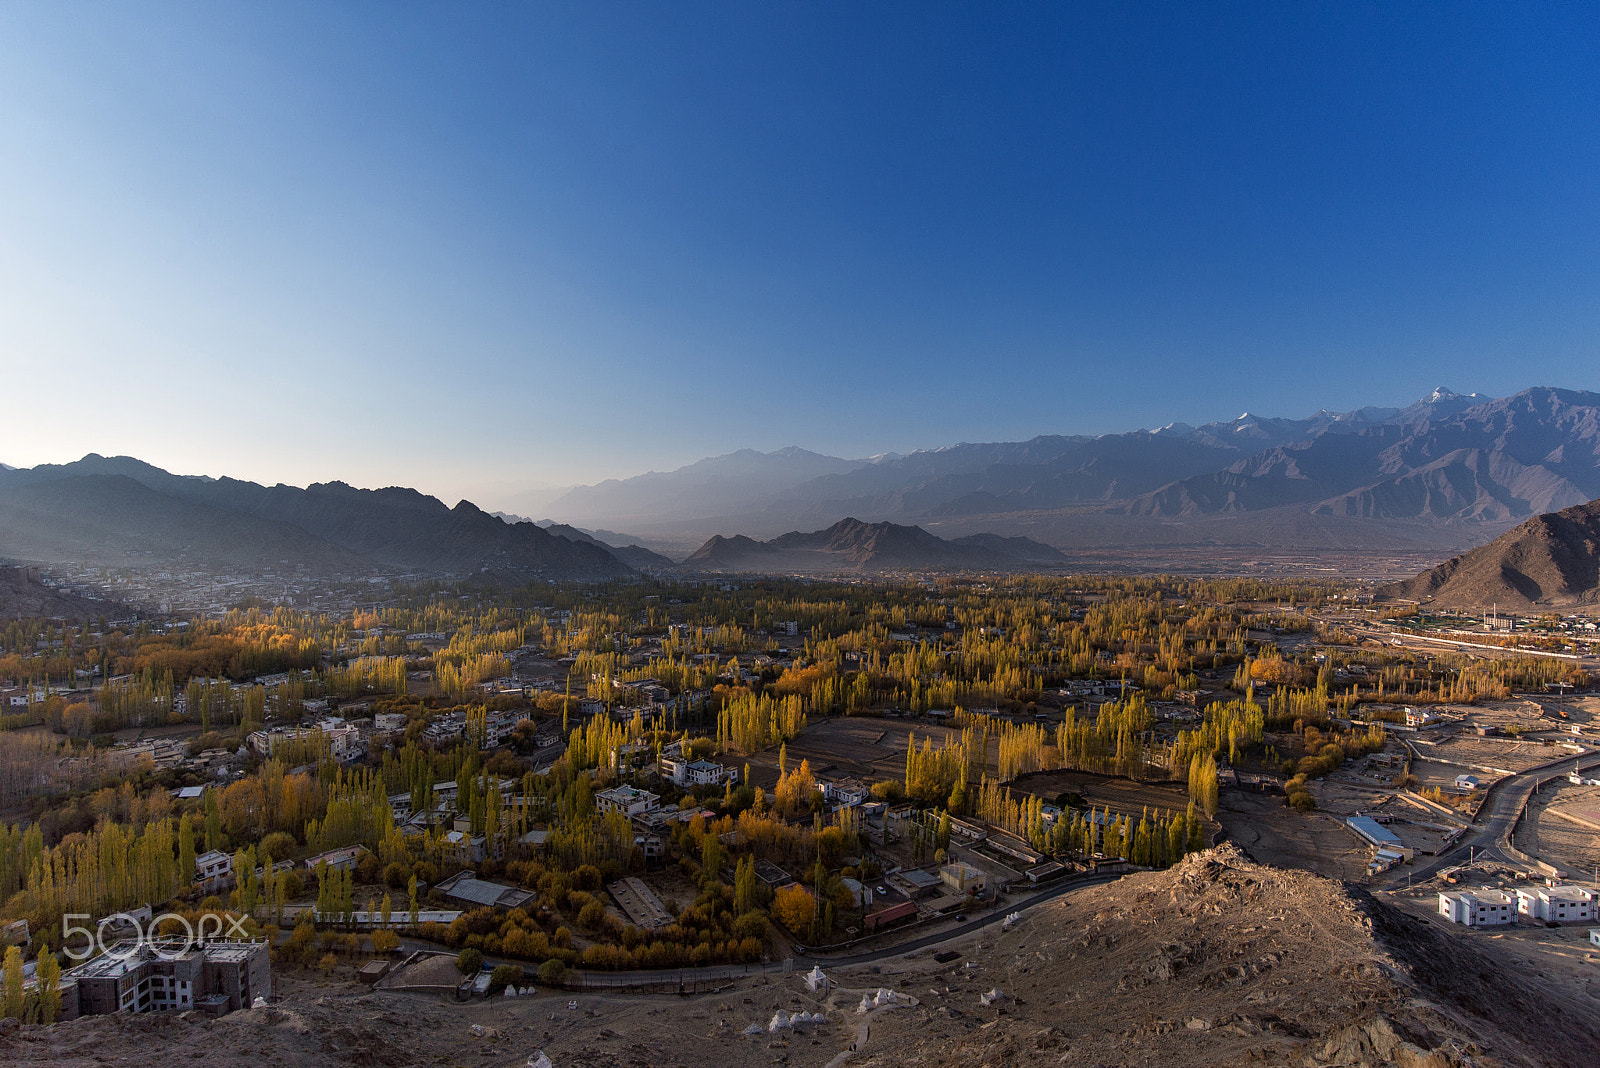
x,y
457,245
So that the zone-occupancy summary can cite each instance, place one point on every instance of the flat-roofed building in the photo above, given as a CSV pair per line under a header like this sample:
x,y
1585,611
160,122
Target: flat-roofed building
x,y
216,976
1477,908
471,891
696,772
963,878
627,800
1556,904
213,869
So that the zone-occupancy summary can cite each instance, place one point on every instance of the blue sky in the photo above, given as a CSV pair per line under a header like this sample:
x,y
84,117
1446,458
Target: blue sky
x,y
471,247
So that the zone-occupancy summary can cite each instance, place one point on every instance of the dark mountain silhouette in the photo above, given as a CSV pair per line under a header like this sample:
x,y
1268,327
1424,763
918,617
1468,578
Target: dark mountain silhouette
x,y
632,554
851,544
104,508
1551,561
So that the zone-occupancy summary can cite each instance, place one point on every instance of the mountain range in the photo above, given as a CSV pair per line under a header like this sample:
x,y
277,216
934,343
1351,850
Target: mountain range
x,y
1551,561
851,544
1447,471
1439,476
119,510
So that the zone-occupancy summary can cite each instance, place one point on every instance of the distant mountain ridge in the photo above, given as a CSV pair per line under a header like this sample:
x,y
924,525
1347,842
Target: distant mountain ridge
x,y
1431,473
1551,561
630,553
703,487
851,544
120,508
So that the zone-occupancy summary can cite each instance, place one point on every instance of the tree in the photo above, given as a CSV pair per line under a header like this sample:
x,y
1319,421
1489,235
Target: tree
x,y
386,910
385,941
413,889
186,870
469,961
1203,782
12,1003
794,907
49,972
505,975
552,972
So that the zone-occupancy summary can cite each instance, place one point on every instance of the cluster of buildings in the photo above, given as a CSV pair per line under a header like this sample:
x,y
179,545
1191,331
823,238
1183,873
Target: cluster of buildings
x,y
1387,848
345,741
1487,907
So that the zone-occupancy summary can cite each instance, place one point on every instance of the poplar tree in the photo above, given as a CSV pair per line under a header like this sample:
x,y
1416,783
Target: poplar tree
x,y
186,870
12,1004
49,975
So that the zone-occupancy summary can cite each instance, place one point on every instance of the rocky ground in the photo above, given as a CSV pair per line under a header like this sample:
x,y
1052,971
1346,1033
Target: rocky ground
x,y
1220,961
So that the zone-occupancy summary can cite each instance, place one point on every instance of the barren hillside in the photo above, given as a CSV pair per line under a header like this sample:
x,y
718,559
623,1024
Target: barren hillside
x,y
1219,961
1552,560
23,595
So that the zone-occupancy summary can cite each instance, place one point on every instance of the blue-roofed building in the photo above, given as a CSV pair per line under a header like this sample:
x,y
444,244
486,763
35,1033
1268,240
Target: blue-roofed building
x,y
1387,846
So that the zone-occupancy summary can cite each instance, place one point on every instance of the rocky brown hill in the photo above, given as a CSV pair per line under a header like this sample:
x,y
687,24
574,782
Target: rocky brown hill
x,y
23,595
1551,561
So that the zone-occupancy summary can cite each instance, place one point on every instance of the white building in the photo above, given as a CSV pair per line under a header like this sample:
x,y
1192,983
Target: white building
x,y
1467,783
1477,908
344,742
627,800
1559,904
389,721
1420,717
685,773
845,793
213,868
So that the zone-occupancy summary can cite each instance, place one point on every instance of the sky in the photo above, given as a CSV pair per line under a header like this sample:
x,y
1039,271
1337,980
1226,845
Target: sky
x,y
480,248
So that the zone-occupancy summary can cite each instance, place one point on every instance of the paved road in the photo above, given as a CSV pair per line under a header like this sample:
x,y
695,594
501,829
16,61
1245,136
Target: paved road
x,y
1492,825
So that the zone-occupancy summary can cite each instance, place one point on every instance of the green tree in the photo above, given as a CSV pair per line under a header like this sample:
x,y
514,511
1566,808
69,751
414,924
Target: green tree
x,y
49,972
469,961
185,851
12,1003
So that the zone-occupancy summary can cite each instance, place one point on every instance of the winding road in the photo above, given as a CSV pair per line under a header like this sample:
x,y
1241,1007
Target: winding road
x,y
1491,827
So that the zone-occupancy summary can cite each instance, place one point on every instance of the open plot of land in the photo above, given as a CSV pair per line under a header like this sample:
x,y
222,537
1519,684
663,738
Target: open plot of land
x,y
1486,755
862,747
1416,825
1216,962
1273,833
1103,791
1562,826
1431,774
1520,712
